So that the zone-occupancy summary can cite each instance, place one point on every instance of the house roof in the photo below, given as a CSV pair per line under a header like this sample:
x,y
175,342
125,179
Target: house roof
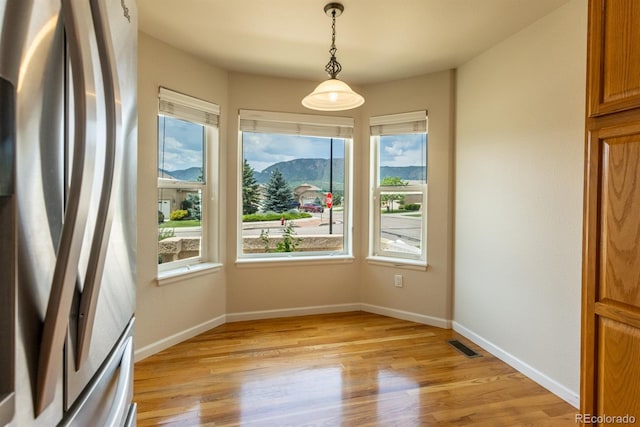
x,y
305,187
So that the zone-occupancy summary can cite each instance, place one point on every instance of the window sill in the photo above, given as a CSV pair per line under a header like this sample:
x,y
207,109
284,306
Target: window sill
x,y
408,264
298,261
179,274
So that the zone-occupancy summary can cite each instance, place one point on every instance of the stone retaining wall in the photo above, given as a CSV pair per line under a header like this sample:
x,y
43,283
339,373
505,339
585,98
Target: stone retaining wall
x,y
322,242
177,248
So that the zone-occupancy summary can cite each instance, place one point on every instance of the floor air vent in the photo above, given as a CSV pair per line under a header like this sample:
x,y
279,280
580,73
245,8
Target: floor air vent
x,y
463,348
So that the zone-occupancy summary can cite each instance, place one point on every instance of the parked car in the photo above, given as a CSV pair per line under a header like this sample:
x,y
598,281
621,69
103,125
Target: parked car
x,y
311,207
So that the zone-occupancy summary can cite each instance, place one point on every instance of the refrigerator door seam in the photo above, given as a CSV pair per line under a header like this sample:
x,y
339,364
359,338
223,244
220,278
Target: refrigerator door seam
x,y
7,256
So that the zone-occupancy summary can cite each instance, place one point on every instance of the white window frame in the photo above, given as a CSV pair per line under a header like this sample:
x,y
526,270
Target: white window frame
x,y
180,106
303,125
394,124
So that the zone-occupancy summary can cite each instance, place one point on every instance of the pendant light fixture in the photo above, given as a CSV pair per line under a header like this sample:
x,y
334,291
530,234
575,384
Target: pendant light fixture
x,y
333,94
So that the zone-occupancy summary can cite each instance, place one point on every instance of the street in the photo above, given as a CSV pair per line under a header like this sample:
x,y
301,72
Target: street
x,y
394,227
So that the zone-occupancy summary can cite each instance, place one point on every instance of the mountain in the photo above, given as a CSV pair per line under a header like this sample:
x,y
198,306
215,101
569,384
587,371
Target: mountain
x,y
306,171
406,173
316,172
191,174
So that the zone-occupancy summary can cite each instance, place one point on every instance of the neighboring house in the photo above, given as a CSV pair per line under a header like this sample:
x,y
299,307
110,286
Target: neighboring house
x,y
169,199
307,193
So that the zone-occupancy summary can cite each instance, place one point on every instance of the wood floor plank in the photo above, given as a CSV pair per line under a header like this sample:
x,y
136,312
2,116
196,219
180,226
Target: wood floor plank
x,y
348,369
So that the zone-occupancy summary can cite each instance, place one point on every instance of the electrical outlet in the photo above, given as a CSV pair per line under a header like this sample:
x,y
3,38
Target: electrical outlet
x,y
397,280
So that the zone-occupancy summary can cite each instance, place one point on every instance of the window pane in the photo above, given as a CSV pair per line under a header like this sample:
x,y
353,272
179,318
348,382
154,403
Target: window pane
x,y
286,179
180,150
179,224
402,158
401,222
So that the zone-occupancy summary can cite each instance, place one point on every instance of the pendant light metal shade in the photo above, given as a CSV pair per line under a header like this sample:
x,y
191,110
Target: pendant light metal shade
x,y
333,94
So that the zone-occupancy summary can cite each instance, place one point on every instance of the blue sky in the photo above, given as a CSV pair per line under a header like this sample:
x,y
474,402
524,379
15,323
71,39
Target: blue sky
x,y
403,150
182,143
263,150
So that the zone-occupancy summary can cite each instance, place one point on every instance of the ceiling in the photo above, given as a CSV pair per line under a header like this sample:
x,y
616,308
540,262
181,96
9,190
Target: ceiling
x,y
377,40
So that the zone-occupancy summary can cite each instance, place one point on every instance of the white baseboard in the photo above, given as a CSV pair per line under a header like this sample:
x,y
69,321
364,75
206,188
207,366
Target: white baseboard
x,y
174,339
291,312
407,315
553,386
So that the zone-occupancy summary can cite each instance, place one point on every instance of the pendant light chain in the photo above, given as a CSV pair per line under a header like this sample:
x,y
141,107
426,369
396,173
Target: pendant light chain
x,y
333,67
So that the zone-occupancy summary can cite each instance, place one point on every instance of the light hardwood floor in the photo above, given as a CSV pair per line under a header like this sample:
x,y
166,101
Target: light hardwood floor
x,y
345,369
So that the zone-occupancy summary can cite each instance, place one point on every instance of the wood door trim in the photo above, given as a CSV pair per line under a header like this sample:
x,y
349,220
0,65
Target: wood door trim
x,y
590,270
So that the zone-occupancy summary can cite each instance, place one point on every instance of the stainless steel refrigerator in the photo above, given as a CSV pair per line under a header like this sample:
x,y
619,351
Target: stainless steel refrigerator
x,y
68,136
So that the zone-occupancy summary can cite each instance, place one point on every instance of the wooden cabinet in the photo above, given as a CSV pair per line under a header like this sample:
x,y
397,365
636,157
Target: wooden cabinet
x,y
610,365
614,56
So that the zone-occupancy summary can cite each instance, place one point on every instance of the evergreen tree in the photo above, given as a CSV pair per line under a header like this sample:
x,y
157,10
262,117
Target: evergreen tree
x,y
250,190
279,195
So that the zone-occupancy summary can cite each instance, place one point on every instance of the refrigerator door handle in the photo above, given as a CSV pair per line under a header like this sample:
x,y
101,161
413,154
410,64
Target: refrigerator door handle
x,y
100,241
65,272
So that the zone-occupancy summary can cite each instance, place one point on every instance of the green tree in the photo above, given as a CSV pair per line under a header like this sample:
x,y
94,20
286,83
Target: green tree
x,y
388,199
393,181
193,206
250,190
337,198
279,195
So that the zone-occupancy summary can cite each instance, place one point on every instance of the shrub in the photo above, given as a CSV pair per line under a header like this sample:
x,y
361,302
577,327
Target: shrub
x,y
274,216
160,217
412,207
165,233
178,214
289,242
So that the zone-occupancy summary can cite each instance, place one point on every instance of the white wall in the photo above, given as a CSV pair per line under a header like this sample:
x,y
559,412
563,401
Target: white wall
x,y
167,314
519,166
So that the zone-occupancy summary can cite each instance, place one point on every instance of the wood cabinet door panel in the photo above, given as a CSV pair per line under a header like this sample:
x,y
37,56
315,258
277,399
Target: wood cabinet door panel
x,y
618,369
611,266
614,56
620,223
